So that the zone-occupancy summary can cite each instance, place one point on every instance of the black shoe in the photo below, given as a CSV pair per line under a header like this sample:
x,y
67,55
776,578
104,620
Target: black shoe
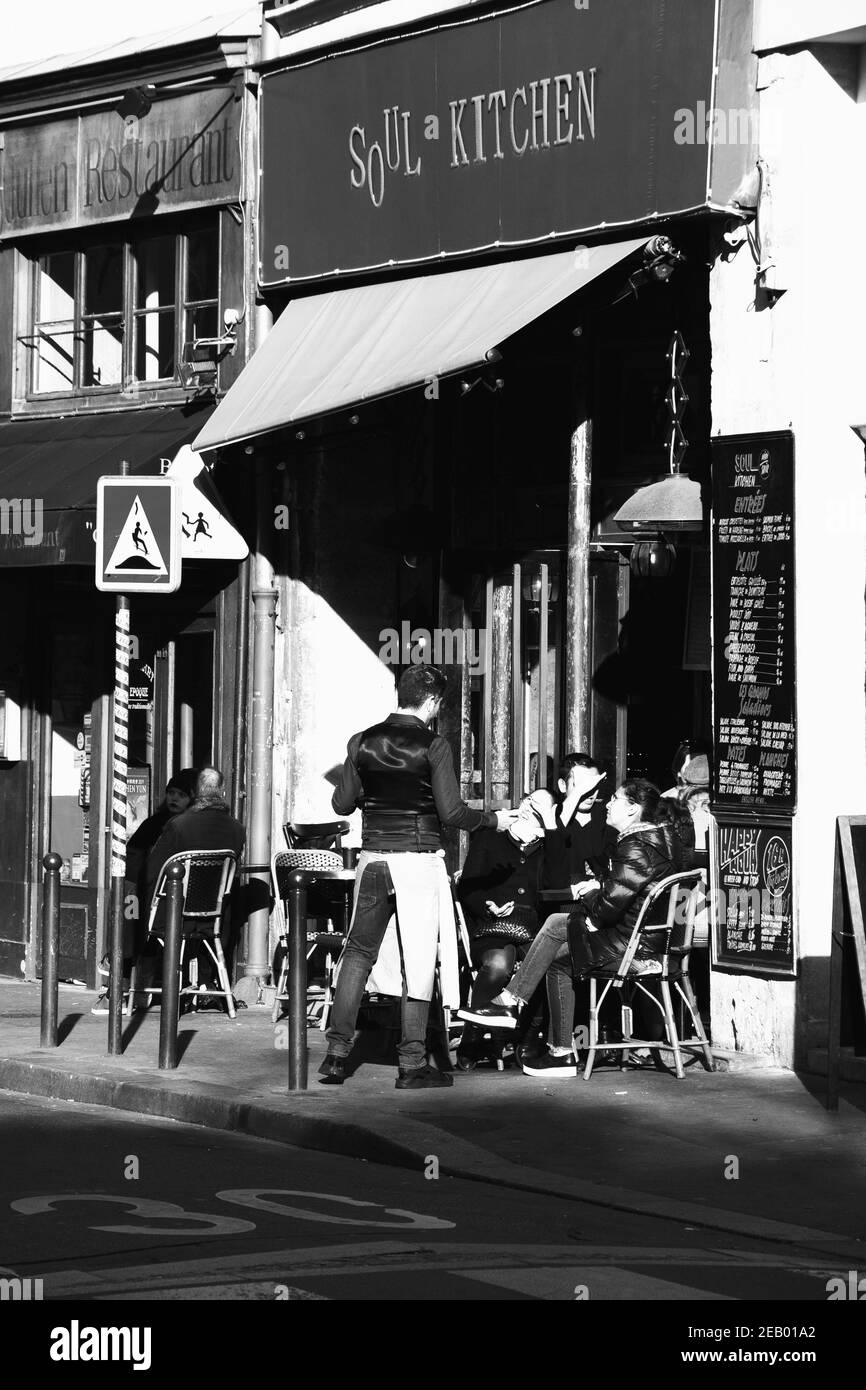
x,y
493,1016
638,1063
422,1079
332,1071
552,1067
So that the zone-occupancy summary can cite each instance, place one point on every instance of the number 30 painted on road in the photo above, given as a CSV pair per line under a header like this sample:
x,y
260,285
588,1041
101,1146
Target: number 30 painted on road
x,y
143,1208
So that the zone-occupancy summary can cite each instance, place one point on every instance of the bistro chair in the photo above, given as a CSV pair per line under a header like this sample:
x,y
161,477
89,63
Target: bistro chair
x,y
320,904
488,1046
321,835
671,943
207,880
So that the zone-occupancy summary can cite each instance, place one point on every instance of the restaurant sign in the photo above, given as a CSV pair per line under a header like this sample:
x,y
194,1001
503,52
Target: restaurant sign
x,y
522,127
97,167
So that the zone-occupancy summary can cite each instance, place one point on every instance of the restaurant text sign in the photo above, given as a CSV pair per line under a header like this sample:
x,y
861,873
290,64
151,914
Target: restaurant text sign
x,y
752,551
517,128
96,166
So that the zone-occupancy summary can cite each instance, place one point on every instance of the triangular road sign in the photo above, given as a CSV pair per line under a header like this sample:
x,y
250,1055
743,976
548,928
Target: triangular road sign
x,y
207,531
137,550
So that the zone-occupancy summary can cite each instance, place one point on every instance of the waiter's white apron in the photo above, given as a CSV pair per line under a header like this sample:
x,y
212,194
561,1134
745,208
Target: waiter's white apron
x,y
426,925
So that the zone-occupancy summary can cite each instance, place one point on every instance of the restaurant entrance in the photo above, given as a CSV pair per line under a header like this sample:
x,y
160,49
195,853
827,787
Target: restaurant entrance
x,y
649,669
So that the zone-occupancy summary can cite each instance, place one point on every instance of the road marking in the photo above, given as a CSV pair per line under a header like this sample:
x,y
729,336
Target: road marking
x,y
290,1266
143,1207
252,1197
623,1285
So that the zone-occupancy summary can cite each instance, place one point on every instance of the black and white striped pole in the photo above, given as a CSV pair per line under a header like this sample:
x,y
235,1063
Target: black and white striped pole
x,y
118,814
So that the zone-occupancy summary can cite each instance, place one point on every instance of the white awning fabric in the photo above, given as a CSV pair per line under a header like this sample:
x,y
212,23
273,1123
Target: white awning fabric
x,y
329,351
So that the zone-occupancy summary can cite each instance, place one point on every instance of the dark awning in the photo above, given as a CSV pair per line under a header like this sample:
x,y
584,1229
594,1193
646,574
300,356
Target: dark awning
x,y
49,470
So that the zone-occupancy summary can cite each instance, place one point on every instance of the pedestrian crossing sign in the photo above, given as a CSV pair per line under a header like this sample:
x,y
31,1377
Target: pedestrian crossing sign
x,y
137,535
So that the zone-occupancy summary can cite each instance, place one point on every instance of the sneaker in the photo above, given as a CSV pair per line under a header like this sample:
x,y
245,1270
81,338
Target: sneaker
x,y
422,1079
101,1005
493,1016
552,1067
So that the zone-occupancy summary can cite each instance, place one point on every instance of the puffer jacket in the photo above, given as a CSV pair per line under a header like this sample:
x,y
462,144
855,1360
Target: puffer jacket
x,y
643,855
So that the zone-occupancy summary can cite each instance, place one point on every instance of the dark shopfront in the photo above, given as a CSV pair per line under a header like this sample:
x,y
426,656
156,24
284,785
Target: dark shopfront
x,y
454,471
121,249
55,784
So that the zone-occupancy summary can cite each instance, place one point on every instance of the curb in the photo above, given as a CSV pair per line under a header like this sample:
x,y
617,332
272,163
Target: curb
x,y
416,1141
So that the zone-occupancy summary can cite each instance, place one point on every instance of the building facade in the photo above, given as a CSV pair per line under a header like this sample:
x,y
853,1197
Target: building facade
x,y
123,282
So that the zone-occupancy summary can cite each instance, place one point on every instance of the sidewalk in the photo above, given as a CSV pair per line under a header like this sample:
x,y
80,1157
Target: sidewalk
x,y
640,1142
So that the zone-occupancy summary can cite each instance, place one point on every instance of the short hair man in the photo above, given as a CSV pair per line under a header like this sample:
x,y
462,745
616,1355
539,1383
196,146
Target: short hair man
x,y
402,774
207,824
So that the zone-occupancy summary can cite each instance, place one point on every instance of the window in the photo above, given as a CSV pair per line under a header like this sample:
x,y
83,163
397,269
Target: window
x,y
115,313
54,329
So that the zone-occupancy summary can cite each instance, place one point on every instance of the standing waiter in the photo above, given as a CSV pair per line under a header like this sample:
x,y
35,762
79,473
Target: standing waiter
x,y
402,774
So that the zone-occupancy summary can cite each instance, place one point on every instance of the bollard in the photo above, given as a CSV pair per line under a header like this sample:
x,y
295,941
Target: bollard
x,y
298,884
171,968
52,864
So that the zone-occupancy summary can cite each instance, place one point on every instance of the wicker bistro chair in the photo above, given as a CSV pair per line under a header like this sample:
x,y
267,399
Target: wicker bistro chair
x,y
671,943
207,880
319,904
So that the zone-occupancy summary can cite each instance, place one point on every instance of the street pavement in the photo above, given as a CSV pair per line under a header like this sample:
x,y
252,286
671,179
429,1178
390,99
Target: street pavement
x,y
106,1206
720,1158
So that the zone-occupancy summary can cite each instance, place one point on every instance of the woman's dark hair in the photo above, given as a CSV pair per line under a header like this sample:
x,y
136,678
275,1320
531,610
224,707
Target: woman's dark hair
x,y
656,809
646,795
417,683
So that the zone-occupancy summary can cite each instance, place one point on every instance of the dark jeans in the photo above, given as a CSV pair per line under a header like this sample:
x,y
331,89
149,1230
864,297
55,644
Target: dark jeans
x,y
495,967
375,904
548,959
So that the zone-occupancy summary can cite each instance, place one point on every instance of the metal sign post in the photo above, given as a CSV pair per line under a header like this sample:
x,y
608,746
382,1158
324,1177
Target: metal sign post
x,y
137,551
118,820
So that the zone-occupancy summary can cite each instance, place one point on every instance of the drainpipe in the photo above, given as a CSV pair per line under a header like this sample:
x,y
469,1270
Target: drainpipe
x,y
577,643
257,964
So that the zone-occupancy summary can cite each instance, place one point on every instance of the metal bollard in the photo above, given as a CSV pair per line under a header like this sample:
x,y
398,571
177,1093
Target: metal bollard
x,y
298,884
171,968
52,864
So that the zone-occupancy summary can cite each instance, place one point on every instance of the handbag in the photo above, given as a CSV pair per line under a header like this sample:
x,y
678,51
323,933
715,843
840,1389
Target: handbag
x,y
520,926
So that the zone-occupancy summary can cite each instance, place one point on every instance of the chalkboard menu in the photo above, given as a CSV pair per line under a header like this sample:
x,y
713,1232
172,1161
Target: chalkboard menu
x,y
753,918
753,622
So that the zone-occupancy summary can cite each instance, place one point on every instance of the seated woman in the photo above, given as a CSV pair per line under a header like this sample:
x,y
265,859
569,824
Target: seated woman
x,y
499,891
656,839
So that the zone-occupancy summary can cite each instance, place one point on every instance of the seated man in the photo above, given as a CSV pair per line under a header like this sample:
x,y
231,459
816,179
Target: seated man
x,y
179,796
577,846
208,824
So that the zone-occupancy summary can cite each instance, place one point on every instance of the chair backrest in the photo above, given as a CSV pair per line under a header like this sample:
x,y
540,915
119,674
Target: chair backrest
x,y
325,860
318,835
208,877
679,920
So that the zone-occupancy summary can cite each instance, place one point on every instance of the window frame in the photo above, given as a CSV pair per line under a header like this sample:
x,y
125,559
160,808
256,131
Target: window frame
x,y
128,238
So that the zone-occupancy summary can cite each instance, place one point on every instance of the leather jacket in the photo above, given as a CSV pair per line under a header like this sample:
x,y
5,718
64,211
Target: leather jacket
x,y
643,855
402,775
